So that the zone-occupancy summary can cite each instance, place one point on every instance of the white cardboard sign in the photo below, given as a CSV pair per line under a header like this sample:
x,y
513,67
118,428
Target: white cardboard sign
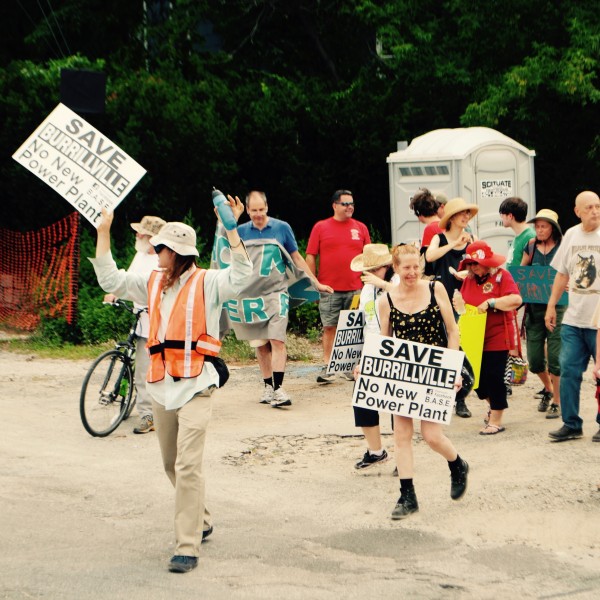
x,y
407,378
348,343
82,165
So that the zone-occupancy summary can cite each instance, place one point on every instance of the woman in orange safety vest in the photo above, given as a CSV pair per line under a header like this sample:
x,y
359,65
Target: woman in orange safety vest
x,y
184,304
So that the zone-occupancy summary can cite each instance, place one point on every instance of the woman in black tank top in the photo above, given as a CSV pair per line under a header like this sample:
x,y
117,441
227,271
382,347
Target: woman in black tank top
x,y
420,311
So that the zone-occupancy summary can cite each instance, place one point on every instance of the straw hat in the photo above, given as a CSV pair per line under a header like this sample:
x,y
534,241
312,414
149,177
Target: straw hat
x,y
455,206
372,257
148,225
545,214
482,254
179,237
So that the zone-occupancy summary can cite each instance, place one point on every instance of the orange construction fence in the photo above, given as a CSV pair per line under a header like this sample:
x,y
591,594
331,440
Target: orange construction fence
x,y
39,274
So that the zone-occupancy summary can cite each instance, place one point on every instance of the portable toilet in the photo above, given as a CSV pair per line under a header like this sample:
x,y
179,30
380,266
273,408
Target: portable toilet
x,y
481,165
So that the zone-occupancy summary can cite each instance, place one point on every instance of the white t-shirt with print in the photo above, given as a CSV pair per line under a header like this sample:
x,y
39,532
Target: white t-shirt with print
x,y
579,257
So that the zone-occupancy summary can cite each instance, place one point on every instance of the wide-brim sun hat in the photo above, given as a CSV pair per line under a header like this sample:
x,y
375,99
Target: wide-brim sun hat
x,y
548,215
453,207
373,256
480,253
149,225
179,237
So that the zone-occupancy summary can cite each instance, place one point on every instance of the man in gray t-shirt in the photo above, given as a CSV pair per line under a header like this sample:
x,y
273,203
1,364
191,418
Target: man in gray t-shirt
x,y
577,263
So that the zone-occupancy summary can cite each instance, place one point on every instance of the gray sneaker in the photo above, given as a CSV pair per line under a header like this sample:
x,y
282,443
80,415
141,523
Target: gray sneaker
x,y
280,398
323,378
553,411
146,425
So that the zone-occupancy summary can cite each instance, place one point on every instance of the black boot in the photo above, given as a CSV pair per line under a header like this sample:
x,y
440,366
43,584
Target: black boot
x,y
407,504
462,410
458,478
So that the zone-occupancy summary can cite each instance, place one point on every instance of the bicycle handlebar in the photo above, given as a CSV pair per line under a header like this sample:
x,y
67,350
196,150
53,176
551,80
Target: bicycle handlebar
x,y
122,304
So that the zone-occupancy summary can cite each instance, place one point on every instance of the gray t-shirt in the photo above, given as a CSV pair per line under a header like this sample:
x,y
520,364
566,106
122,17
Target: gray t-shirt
x,y
579,257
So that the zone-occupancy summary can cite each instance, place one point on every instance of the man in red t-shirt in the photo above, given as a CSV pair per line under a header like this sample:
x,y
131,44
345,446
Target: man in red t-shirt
x,y
336,241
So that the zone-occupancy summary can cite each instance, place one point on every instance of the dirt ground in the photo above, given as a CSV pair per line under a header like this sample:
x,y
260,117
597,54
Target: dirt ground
x,y
84,517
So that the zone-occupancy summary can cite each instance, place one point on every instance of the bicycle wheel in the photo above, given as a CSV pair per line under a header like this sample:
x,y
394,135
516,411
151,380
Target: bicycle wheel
x,y
134,395
106,393
131,404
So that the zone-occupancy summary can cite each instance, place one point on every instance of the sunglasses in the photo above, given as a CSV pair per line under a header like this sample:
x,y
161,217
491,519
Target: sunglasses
x,y
346,203
159,248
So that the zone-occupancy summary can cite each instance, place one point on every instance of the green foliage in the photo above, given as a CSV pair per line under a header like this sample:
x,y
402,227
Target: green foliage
x,y
299,99
233,350
100,323
303,318
55,332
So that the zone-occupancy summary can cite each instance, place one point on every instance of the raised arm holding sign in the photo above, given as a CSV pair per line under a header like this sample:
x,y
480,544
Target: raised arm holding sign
x,y
86,168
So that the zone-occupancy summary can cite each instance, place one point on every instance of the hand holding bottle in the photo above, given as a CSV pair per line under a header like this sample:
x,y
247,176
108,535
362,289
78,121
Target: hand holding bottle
x,y
227,209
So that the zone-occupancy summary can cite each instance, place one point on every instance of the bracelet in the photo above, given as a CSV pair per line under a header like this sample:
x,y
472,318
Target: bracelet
x,y
492,303
237,245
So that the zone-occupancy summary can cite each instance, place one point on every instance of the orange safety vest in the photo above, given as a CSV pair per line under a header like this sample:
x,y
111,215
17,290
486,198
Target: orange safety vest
x,y
186,341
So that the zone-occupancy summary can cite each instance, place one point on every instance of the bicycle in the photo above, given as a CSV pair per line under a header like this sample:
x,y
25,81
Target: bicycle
x,y
107,394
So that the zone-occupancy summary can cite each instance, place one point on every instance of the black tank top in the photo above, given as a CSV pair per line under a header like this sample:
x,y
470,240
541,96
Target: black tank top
x,y
441,266
426,326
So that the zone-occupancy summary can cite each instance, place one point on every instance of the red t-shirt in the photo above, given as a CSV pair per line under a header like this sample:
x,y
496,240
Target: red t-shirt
x,y
336,243
499,326
428,233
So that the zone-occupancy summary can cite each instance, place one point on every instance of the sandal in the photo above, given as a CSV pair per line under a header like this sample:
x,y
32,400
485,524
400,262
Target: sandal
x,y
495,429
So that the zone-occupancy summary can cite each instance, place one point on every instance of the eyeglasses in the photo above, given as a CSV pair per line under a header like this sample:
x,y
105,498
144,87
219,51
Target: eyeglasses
x,y
345,203
159,248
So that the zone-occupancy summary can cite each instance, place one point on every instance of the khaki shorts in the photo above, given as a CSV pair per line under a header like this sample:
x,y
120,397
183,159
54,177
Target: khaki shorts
x,y
330,306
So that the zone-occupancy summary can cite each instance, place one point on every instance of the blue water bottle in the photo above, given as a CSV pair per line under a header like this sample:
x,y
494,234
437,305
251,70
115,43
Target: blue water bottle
x,y
224,209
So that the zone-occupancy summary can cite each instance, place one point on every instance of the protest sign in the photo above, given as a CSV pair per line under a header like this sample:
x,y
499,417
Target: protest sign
x,y
348,342
471,326
261,308
535,284
82,165
408,379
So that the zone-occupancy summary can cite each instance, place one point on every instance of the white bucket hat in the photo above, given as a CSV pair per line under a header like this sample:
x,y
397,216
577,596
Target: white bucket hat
x,y
373,256
179,237
149,225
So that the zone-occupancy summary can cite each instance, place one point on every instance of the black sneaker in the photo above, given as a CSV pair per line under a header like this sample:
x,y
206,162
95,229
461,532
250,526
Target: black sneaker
x,y
369,460
462,410
458,480
596,436
565,433
545,401
206,532
539,394
182,564
553,411
407,505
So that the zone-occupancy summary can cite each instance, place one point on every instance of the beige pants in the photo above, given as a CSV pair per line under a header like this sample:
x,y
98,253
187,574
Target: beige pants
x,y
181,435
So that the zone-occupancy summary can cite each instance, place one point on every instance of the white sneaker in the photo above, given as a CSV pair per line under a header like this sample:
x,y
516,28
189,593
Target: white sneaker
x,y
267,395
280,398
